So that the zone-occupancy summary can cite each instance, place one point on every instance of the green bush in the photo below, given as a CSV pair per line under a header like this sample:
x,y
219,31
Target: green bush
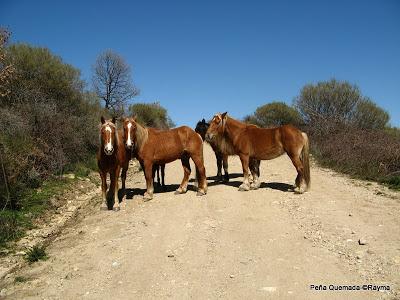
x,y
368,115
151,115
274,114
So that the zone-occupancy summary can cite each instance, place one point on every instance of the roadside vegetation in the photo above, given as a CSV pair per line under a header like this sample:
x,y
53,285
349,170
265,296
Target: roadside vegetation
x,y
48,128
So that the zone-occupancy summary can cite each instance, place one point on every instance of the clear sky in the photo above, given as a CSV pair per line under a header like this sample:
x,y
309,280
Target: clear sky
x,y
201,57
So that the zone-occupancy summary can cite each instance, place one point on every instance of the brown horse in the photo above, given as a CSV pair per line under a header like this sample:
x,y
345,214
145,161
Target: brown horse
x,y
127,139
111,157
151,146
222,157
252,142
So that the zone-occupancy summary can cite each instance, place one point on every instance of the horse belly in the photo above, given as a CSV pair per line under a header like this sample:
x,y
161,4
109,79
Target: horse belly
x,y
267,153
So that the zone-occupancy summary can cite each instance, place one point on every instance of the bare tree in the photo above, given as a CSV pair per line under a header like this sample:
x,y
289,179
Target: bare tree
x,y
112,80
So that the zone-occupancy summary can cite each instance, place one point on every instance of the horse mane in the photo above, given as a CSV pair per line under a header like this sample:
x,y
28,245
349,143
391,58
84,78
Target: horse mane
x,y
141,136
223,142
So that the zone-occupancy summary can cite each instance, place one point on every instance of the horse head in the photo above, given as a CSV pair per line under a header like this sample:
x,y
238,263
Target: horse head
x,y
129,126
216,126
108,135
201,128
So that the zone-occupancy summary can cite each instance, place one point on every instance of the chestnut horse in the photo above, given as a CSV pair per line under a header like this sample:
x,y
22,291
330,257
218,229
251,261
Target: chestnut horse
x,y
126,125
152,146
222,158
252,142
111,157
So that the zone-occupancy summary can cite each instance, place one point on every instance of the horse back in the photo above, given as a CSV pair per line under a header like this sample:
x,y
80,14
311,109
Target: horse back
x,y
164,146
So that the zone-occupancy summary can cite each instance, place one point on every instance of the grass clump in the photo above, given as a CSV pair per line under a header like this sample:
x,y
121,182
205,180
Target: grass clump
x,y
35,254
20,279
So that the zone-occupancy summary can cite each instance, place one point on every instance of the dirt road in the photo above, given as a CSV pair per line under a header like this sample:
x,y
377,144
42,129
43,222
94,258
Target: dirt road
x,y
264,244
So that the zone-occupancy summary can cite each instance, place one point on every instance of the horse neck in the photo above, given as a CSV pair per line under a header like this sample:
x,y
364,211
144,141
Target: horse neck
x,y
142,134
232,127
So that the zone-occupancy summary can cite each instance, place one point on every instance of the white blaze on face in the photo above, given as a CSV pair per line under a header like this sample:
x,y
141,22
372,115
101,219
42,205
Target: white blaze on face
x,y
129,140
109,146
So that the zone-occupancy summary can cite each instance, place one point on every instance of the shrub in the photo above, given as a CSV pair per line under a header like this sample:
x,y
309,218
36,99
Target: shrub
x,y
368,154
35,254
151,115
368,115
274,114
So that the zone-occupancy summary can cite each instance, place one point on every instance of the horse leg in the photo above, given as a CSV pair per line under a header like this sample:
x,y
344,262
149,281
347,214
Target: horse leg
x,y
300,187
123,177
163,174
148,173
158,175
218,157
186,173
254,166
114,183
200,174
245,186
225,161
103,176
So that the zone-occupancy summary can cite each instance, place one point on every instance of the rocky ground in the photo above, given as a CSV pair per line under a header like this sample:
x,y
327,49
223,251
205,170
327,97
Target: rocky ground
x,y
269,243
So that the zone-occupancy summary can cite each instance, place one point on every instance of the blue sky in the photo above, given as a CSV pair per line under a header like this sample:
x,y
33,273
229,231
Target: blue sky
x,y
202,57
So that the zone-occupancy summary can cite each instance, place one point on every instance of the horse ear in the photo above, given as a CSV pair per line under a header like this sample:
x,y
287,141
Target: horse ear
x,y
203,121
224,115
102,120
114,119
134,118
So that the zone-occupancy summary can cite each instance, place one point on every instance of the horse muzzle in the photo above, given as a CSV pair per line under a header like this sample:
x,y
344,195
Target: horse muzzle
x,y
128,146
108,151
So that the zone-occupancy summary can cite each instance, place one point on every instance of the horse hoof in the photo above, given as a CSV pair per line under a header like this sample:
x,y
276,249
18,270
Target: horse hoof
x,y
103,207
298,190
180,191
116,208
201,193
244,188
147,197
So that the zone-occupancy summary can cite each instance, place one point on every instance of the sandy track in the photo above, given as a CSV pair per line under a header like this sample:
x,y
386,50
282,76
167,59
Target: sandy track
x,y
268,243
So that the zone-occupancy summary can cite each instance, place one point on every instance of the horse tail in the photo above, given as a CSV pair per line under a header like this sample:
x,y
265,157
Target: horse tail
x,y
304,157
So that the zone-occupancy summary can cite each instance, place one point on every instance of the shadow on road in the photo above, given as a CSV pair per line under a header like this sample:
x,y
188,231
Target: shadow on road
x,y
131,192
284,187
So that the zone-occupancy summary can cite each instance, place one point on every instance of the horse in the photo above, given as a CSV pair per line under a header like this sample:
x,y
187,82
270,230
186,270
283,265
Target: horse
x,y
126,125
222,157
201,128
252,142
152,146
111,158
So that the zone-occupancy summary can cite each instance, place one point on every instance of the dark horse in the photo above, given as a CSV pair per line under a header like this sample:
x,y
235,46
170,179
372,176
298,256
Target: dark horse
x,y
156,170
201,128
221,154
111,157
127,139
151,146
252,142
